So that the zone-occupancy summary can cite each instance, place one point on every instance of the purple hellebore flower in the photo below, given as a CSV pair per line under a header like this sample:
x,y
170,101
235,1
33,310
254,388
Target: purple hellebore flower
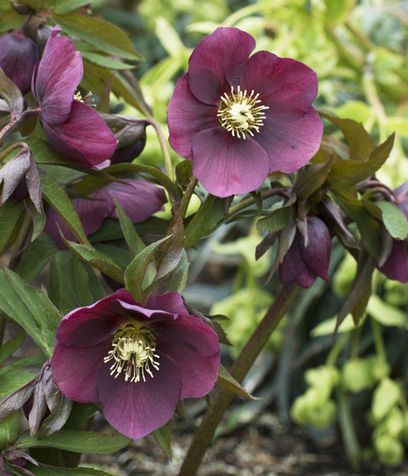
x,y
18,56
137,360
139,199
396,266
239,118
304,263
72,127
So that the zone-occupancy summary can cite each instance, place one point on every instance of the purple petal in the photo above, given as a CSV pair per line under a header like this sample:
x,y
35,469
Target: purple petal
x,y
194,346
211,60
288,87
292,265
396,266
58,75
137,409
290,144
18,56
316,255
74,370
83,138
90,325
186,116
139,199
226,165
305,278
170,302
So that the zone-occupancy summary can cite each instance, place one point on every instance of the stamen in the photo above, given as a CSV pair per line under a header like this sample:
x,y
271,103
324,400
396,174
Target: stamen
x,y
240,113
133,352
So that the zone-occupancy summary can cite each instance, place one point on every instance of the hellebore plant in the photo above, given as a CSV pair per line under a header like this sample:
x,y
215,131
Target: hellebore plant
x,y
72,127
137,360
139,199
240,117
18,56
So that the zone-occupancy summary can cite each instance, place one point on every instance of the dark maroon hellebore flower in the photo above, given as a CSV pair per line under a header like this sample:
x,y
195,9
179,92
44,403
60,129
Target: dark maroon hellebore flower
x,y
303,263
239,118
137,360
396,266
18,56
72,127
139,199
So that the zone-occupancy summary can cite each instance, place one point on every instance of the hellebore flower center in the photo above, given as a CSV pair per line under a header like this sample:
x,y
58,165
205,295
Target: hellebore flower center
x,y
133,351
241,113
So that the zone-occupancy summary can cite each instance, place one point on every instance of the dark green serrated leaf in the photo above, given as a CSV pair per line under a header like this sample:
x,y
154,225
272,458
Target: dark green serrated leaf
x,y
96,259
104,61
85,442
172,274
11,213
130,234
100,33
163,439
276,220
311,179
9,430
228,382
394,220
59,200
65,6
358,139
135,273
10,346
30,308
209,215
347,173
12,381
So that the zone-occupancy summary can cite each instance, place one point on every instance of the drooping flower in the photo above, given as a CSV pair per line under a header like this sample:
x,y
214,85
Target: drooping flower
x,y
72,127
138,198
240,117
137,360
307,259
18,56
396,266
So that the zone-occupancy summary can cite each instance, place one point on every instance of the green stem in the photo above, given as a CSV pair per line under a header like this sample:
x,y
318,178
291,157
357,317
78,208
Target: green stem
x,y
184,202
378,340
250,200
336,349
222,397
163,146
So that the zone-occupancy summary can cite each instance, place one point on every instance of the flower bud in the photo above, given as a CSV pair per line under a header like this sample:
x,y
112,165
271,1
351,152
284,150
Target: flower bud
x,y
309,255
389,450
356,375
18,56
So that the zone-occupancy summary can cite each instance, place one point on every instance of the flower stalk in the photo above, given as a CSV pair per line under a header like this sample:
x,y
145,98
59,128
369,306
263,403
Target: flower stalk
x,y
223,398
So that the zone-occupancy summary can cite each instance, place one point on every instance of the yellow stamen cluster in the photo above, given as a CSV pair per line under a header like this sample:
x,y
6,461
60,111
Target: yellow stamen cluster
x,y
241,113
133,353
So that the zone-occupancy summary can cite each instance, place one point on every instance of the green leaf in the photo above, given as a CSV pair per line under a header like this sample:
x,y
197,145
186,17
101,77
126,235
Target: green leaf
x,y
209,215
229,383
10,20
10,346
169,38
9,430
86,442
104,61
385,397
59,200
328,327
130,234
347,173
394,220
43,153
35,257
358,139
100,33
65,6
135,273
276,220
311,179
12,95
11,214
30,308
72,283
163,438
11,381
46,470
96,259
